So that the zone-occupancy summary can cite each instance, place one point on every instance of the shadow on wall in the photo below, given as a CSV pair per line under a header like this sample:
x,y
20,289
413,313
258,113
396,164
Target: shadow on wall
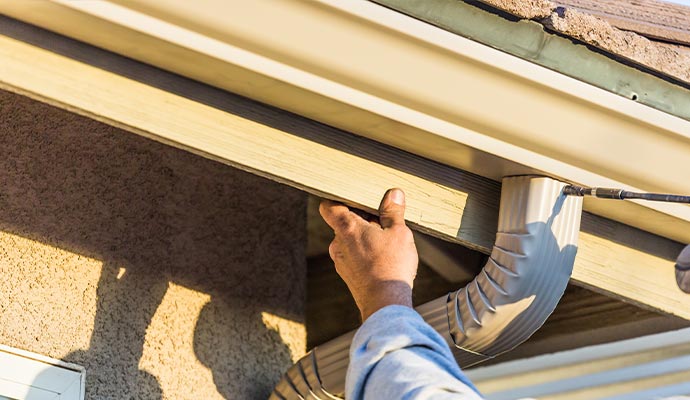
x,y
160,215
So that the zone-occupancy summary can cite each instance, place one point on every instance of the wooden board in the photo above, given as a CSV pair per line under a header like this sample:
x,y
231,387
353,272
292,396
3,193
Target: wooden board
x,y
263,140
446,202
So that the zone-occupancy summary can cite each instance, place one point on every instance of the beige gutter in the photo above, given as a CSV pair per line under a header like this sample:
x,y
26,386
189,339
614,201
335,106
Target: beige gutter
x,y
380,74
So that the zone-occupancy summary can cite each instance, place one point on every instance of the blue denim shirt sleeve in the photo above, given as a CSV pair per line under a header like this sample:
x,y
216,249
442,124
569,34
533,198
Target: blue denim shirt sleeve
x,y
396,355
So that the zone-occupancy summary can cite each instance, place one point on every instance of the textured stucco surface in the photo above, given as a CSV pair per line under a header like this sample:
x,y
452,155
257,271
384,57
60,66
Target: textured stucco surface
x,y
166,275
599,33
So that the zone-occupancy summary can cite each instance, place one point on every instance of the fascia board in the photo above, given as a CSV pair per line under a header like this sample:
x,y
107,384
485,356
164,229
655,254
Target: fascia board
x,y
383,75
446,202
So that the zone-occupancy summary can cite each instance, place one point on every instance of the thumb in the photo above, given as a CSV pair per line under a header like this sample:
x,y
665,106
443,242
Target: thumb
x,y
392,209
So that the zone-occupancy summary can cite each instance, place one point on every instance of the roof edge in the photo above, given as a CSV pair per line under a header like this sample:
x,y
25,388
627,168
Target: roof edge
x,y
599,33
530,30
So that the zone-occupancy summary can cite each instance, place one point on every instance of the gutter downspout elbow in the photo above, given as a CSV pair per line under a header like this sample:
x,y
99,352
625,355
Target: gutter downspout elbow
x,y
518,288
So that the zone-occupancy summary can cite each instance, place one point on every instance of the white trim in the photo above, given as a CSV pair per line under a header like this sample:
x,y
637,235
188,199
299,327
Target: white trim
x,y
642,368
29,376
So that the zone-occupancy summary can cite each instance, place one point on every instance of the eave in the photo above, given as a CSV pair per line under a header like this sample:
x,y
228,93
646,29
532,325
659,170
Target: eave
x,y
388,77
445,200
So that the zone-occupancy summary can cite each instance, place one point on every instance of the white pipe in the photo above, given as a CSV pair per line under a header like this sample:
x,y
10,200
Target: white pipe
x,y
510,299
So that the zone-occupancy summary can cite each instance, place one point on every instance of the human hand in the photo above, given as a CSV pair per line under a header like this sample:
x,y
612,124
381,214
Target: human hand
x,y
376,259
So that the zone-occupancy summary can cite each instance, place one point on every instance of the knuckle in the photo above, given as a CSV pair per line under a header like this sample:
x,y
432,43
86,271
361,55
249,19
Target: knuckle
x,y
333,249
390,214
347,227
343,221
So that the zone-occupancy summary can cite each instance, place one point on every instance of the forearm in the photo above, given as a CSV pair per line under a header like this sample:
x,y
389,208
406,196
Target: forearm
x,y
396,355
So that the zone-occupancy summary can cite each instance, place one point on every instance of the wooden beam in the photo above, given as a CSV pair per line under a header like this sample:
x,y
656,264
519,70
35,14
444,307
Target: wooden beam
x,y
263,140
446,202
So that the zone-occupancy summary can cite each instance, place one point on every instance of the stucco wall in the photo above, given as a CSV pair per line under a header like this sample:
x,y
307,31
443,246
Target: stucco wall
x,y
165,274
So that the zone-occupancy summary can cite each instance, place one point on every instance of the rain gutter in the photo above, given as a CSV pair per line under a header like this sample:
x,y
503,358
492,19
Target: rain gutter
x,y
531,41
380,74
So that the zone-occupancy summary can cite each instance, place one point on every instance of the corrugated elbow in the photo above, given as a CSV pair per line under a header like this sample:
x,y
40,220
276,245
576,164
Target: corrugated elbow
x,y
518,288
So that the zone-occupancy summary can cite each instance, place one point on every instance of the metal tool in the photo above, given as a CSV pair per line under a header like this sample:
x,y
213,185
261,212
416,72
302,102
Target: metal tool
x,y
620,194
683,261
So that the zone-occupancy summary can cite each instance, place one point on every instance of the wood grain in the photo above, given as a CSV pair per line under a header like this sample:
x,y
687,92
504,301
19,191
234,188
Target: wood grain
x,y
276,144
443,201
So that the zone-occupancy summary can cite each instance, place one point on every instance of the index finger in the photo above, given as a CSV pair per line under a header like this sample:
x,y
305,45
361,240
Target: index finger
x,y
338,216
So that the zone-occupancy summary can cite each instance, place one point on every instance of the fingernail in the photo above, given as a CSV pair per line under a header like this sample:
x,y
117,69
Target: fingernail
x,y
397,196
